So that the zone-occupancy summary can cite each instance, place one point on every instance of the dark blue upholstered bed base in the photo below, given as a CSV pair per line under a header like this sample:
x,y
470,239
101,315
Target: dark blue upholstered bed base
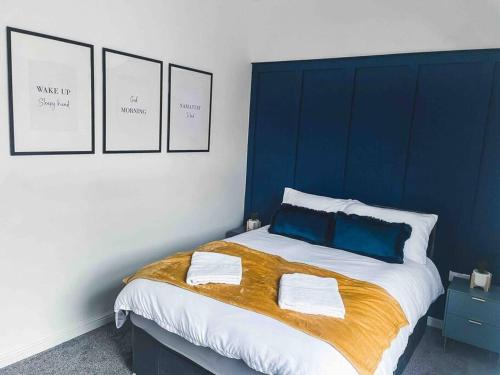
x,y
413,341
150,357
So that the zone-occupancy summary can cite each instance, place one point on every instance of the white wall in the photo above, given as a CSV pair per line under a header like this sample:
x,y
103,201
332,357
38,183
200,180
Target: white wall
x,y
71,227
306,29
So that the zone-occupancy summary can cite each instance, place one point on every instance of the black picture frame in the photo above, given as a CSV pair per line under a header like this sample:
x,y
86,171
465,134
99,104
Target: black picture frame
x,y
13,151
170,66
104,85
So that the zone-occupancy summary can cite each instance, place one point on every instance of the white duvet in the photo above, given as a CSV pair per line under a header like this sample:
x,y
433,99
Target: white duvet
x,y
268,345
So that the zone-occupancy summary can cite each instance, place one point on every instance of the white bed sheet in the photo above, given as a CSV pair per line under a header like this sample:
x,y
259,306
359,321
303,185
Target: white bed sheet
x,y
268,345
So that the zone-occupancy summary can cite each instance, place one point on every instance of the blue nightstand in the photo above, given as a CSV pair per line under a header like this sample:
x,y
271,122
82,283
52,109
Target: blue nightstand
x,y
235,231
472,316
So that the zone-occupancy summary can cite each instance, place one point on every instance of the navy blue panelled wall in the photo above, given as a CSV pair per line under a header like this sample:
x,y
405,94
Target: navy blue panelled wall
x,y
418,131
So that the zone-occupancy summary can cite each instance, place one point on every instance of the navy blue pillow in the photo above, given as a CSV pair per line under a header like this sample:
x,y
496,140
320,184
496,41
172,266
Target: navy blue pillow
x,y
370,237
302,224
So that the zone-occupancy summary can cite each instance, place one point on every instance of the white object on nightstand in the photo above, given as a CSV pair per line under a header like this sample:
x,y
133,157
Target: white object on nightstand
x,y
480,279
253,224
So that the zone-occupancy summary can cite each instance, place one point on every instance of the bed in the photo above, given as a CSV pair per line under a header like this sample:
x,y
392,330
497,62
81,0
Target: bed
x,y
176,331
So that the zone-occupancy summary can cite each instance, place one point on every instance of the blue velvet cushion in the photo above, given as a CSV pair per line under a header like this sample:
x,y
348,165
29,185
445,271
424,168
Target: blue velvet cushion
x,y
370,237
302,224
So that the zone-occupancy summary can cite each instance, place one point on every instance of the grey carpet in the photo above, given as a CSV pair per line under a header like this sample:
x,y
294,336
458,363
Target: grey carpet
x,y
107,351
459,359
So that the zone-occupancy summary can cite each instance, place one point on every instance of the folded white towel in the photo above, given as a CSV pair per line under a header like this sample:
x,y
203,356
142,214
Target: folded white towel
x,y
214,268
311,295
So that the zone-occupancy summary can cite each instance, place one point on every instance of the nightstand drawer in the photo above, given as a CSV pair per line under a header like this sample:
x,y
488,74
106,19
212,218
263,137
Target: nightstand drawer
x,y
472,332
475,308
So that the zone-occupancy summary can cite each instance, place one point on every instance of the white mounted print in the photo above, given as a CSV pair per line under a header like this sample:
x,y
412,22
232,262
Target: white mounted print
x,y
51,94
132,103
190,106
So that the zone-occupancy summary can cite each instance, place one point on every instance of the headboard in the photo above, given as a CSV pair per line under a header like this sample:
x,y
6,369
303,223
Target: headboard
x,y
430,244
416,131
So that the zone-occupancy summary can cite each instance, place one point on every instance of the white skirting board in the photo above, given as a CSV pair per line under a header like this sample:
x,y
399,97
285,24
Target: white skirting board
x,y
434,322
25,351
64,335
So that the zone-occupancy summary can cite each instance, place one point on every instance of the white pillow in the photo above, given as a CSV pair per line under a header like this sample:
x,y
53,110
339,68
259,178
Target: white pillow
x,y
315,202
421,227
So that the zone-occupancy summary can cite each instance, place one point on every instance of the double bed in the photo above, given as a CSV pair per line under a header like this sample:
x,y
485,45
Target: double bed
x,y
176,331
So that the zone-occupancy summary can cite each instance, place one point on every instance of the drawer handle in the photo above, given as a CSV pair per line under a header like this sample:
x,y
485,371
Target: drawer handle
x,y
475,322
478,299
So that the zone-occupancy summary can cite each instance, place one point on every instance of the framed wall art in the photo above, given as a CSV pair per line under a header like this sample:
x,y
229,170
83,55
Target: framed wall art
x,y
132,102
51,94
189,109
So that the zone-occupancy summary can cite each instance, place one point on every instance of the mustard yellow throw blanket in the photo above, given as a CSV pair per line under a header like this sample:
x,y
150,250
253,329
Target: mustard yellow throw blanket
x,y
373,318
